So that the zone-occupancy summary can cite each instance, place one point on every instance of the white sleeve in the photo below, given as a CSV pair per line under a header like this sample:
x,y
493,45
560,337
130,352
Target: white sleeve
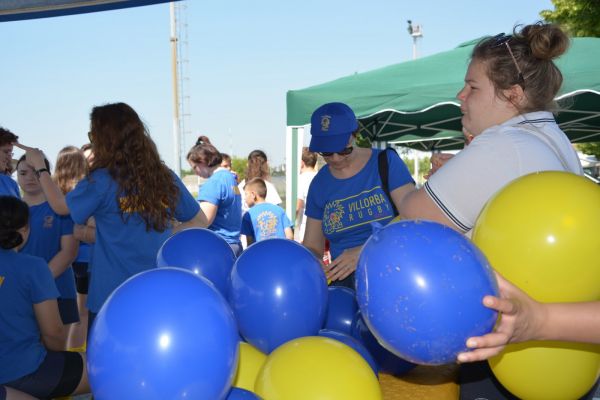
x,y
467,181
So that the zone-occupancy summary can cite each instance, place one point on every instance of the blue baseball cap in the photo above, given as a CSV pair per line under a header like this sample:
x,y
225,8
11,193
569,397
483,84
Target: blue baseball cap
x,y
331,126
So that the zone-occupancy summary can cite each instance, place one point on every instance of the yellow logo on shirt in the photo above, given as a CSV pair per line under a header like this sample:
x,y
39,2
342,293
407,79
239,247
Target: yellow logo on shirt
x,y
48,221
1,280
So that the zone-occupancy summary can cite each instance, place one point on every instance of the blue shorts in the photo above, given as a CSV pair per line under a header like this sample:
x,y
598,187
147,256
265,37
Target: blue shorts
x,y
67,308
2,393
57,376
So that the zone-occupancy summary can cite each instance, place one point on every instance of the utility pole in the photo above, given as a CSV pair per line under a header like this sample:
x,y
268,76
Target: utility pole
x,y
175,82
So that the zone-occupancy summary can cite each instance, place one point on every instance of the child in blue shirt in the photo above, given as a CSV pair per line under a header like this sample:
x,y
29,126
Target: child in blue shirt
x,y
31,332
7,185
219,196
263,220
51,238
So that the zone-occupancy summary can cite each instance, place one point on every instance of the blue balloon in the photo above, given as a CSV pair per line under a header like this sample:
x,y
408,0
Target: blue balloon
x,y
278,293
242,394
352,342
341,308
386,361
201,251
419,287
165,333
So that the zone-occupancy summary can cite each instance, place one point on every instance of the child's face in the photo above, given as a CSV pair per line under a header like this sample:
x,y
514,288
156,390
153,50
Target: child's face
x,y
250,197
27,179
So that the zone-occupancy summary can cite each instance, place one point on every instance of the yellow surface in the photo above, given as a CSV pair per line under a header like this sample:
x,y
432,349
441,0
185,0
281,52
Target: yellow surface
x,y
422,383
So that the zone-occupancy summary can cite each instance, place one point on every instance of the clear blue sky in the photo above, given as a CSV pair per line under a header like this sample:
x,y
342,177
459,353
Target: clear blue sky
x,y
243,58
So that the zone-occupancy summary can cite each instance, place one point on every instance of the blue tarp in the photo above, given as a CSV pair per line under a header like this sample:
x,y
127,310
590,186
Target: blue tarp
x,y
15,10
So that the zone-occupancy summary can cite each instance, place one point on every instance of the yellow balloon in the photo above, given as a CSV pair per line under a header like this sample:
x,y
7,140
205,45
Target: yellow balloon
x,y
541,233
250,362
548,370
315,367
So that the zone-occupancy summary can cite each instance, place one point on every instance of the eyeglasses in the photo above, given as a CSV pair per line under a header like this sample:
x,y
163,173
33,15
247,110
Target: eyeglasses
x,y
344,152
90,136
502,39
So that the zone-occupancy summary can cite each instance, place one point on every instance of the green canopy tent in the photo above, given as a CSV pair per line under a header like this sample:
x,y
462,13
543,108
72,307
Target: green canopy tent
x,y
414,103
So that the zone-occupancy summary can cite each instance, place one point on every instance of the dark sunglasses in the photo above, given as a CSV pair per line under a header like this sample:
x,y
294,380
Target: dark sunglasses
x,y
502,39
344,152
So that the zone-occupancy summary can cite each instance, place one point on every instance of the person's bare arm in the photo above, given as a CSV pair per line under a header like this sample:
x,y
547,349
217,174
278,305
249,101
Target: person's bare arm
x,y
314,240
53,333
65,256
210,211
418,205
289,233
199,221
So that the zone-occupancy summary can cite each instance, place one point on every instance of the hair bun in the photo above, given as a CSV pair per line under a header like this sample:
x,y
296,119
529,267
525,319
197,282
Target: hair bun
x,y
547,41
10,239
202,141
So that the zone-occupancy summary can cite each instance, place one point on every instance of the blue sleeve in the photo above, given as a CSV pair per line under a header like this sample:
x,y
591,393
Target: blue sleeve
x,y
247,225
312,209
187,207
285,220
85,198
42,286
399,175
66,225
211,191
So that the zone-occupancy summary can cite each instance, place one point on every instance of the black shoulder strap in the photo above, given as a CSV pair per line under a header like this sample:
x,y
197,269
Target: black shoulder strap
x,y
383,175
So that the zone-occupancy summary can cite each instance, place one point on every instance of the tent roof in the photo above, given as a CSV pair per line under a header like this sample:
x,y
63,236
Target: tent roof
x,y
15,10
415,101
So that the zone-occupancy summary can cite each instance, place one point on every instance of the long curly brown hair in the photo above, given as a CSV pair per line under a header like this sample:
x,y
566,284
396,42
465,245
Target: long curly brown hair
x,y
71,167
122,145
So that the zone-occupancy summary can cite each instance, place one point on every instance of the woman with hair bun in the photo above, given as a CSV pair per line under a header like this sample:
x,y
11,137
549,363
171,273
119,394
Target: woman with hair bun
x,y
507,104
32,359
219,196
258,167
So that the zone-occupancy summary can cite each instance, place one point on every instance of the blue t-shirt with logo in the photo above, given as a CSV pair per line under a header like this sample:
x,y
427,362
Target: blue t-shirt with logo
x,y
25,280
123,246
46,231
222,191
265,221
348,207
8,186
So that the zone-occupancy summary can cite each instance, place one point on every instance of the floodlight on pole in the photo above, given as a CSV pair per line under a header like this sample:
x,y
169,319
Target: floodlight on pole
x,y
416,32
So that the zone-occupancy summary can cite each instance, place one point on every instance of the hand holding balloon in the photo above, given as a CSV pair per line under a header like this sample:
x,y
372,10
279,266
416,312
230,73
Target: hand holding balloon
x,y
524,319
521,320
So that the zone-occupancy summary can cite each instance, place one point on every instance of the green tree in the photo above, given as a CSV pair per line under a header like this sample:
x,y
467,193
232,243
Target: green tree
x,y
579,17
238,164
590,148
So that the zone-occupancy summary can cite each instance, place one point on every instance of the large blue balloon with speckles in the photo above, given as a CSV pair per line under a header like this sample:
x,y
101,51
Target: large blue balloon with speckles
x,y
420,287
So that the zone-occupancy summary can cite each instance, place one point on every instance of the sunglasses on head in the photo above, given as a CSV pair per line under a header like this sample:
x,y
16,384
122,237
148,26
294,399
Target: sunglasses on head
x,y
502,39
344,152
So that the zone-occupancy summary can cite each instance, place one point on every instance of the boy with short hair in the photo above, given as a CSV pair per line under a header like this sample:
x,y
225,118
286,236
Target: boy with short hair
x,y
263,220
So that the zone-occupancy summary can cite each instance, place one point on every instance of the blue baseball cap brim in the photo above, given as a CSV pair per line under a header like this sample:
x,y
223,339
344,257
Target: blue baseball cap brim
x,y
330,143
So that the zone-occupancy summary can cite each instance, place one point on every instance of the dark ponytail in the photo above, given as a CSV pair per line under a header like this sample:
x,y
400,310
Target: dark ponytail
x,y
14,215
